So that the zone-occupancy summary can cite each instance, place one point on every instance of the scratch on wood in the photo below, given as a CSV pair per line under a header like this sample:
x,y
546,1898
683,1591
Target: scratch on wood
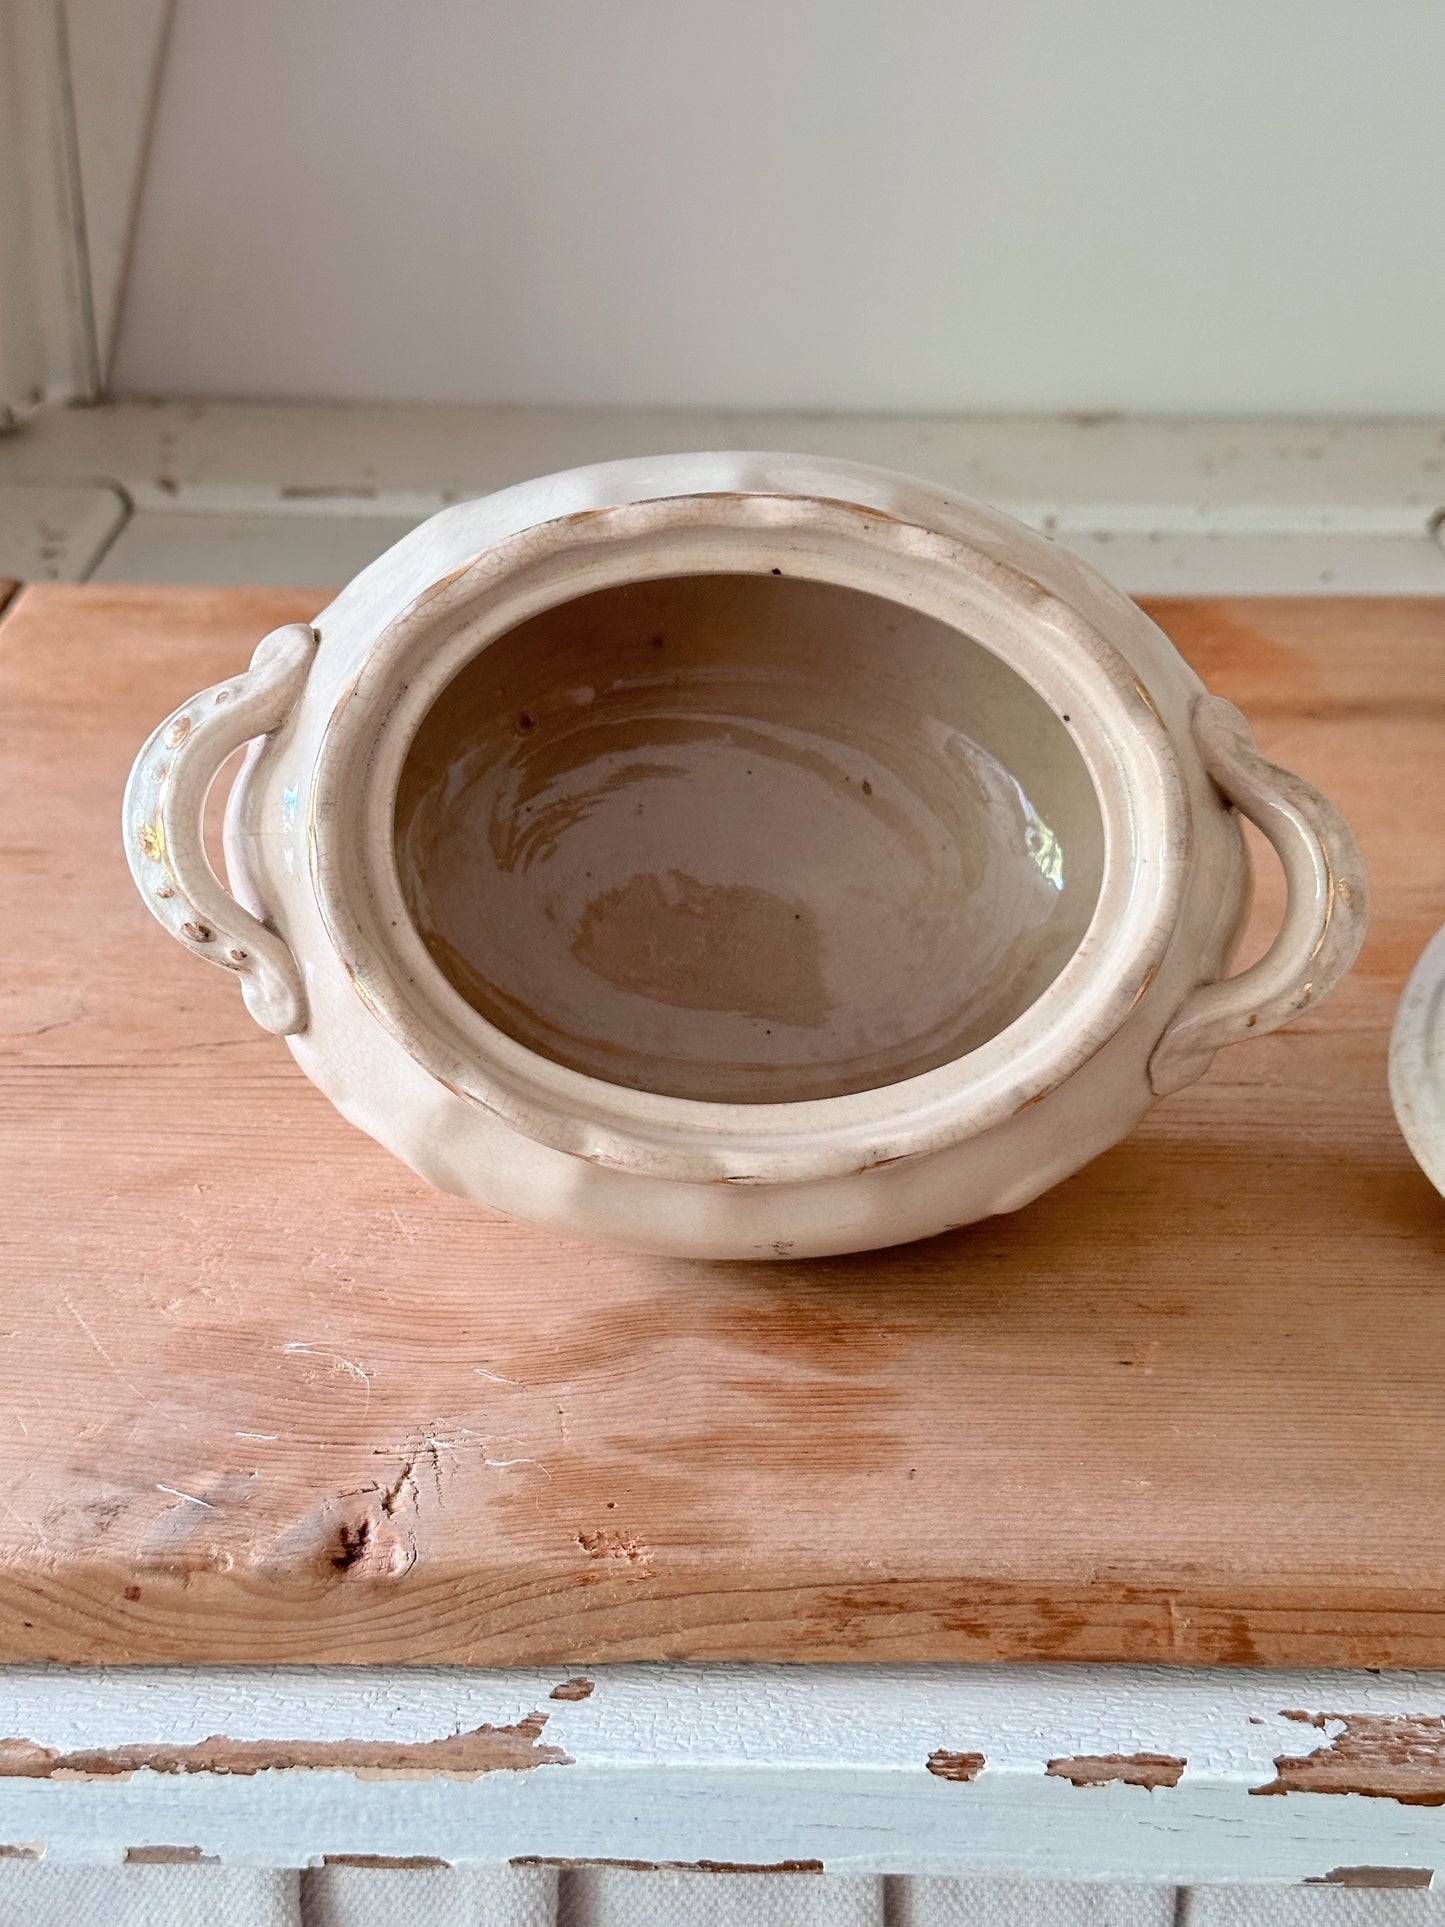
x,y
105,1356
1133,1769
176,1493
357,1372
955,1766
1383,1756
456,1756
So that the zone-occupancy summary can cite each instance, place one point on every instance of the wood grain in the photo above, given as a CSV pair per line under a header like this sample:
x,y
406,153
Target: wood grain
x,y
264,1396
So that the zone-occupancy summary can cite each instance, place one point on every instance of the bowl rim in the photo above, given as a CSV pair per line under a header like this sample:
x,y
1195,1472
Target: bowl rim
x,y
1055,649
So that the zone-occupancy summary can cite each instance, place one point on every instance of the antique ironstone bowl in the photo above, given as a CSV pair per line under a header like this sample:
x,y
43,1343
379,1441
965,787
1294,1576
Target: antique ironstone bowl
x,y
738,855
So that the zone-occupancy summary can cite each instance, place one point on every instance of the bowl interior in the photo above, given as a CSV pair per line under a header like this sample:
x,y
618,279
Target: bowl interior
x,y
745,838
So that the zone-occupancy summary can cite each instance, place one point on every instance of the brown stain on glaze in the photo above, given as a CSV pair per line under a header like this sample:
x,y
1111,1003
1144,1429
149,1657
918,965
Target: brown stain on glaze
x,y
573,1689
1130,1769
963,1767
456,1756
1382,1756
708,946
1374,1877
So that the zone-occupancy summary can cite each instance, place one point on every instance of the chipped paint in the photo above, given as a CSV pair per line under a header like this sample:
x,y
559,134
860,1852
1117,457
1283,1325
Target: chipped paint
x,y
573,1689
1381,1756
456,1756
964,1767
671,1866
1375,1877
1133,1769
407,1861
739,1765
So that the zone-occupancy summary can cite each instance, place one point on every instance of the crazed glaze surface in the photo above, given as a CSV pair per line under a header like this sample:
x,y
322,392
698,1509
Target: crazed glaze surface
x,y
953,1032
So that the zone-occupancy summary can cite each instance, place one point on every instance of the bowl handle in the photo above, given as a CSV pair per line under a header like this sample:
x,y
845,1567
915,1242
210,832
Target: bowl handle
x,y
164,801
1324,919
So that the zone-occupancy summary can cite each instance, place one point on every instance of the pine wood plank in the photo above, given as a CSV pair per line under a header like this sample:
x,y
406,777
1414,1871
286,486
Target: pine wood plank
x,y
264,1396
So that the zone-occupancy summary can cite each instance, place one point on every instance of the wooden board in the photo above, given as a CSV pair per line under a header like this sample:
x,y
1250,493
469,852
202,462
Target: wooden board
x,y
264,1396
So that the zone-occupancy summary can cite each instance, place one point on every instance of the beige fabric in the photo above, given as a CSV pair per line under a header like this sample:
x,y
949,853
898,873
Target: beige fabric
x,y
429,1897
1314,1906
34,1895
619,1897
37,1895
1029,1903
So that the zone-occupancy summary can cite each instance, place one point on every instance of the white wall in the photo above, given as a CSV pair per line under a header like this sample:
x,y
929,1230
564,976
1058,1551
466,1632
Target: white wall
x,y
1213,205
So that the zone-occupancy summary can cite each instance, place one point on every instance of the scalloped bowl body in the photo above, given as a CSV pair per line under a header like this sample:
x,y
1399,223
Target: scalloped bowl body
x,y
730,856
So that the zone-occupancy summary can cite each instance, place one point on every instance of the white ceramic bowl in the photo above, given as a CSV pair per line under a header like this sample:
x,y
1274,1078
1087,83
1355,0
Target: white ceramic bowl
x,y
1417,1061
738,856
